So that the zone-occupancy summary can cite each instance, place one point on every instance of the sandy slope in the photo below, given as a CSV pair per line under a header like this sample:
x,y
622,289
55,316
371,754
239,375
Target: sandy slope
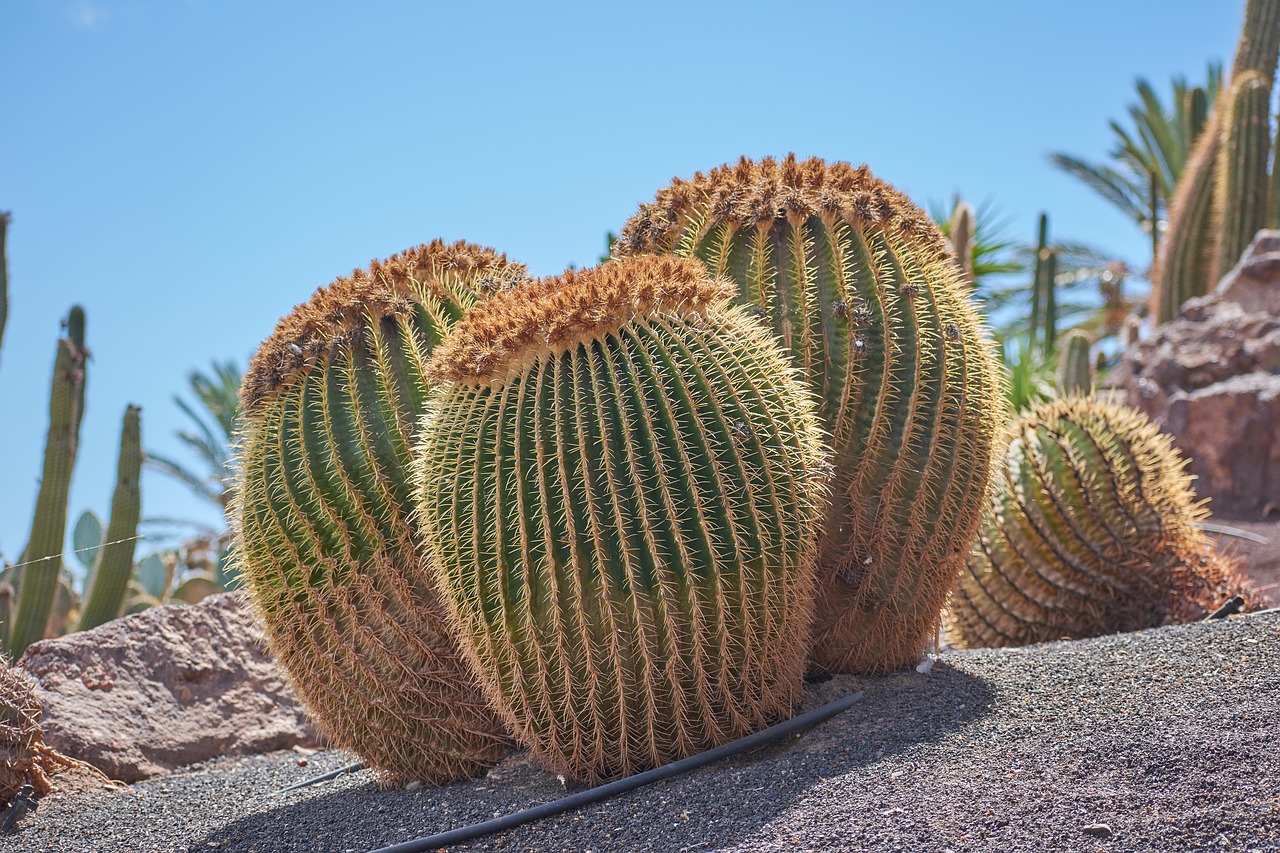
x,y
1159,740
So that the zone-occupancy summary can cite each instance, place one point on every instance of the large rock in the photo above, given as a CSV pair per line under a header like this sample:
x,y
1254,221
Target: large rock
x,y
1211,379
166,687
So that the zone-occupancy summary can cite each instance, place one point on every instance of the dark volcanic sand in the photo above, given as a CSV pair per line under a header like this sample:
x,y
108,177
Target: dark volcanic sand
x,y
1159,740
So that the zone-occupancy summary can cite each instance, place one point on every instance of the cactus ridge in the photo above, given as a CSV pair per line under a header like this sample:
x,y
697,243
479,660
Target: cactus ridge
x,y
862,289
1182,268
1092,529
1241,190
625,521
322,514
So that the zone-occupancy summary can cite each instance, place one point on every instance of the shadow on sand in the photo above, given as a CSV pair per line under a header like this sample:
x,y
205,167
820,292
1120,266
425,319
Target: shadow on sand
x,y
718,805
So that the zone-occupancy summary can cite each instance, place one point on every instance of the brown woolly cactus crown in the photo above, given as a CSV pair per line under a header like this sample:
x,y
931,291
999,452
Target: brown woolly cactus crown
x,y
323,326
504,334
758,191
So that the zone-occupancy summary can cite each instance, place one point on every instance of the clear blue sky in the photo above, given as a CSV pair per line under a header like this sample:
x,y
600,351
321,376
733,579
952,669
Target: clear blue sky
x,y
188,171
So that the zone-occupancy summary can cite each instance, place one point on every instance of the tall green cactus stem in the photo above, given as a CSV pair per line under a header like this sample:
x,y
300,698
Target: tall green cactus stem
x,y
1075,370
1183,267
42,558
1050,296
1195,113
1241,186
621,481
963,225
858,283
4,272
1038,288
1259,45
1273,192
324,541
114,564
1092,529
75,328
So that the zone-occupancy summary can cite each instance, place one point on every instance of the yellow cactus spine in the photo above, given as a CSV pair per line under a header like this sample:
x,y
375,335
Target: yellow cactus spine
x,y
621,482
324,539
859,284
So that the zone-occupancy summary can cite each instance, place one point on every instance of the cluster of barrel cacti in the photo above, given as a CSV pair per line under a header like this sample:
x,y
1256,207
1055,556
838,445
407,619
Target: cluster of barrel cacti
x,y
617,513
1224,195
614,515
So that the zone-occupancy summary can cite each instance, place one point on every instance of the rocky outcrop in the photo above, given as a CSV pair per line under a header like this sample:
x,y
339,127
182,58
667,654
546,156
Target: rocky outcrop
x,y
164,688
1211,379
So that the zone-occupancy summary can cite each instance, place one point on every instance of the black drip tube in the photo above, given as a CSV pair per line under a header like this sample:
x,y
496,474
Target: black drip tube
x,y
630,783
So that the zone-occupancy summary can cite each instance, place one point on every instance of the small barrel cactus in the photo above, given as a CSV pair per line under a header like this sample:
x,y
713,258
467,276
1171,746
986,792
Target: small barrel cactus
x,y
859,284
620,483
25,759
324,543
1092,529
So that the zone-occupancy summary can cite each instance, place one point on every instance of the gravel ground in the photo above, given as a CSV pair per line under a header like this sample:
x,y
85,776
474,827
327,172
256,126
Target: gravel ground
x,y
1159,740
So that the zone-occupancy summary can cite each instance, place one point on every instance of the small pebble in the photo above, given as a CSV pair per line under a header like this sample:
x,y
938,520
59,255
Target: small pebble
x,y
302,762
1101,830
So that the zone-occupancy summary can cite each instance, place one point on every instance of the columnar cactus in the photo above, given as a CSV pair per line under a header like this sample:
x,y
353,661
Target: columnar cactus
x,y
325,544
859,284
1075,370
1092,529
963,228
620,483
1241,181
42,558
1204,222
113,565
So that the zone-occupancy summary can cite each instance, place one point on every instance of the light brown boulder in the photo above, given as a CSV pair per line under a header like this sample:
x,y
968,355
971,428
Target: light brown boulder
x,y
167,687
1211,379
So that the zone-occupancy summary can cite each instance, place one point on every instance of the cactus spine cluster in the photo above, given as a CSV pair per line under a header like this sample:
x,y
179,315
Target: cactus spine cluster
x,y
1092,529
621,482
1221,199
860,286
322,509
113,566
41,563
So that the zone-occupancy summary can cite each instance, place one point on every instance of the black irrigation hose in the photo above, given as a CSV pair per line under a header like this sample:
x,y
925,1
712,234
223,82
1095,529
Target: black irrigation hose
x,y
630,783
1230,606
323,777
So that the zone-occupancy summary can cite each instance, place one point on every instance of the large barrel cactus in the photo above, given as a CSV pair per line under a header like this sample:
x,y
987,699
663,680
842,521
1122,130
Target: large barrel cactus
x,y
322,511
859,284
621,484
1092,529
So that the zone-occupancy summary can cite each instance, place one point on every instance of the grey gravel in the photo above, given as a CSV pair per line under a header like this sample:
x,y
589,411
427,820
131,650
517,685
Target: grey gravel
x,y
1158,740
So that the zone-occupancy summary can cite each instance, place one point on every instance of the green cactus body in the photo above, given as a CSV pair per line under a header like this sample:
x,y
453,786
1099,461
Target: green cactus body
x,y
1273,193
1183,267
1241,188
1038,288
859,285
1092,529
1075,370
324,542
42,559
621,481
4,273
114,563
1195,113
961,238
1259,45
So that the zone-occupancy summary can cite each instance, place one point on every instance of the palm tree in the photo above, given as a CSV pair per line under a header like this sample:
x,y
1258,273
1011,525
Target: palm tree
x,y
1147,159
218,395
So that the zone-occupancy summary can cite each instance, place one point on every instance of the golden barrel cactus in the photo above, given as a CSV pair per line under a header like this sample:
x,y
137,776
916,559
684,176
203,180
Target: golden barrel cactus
x,y
322,506
861,288
1092,529
620,484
